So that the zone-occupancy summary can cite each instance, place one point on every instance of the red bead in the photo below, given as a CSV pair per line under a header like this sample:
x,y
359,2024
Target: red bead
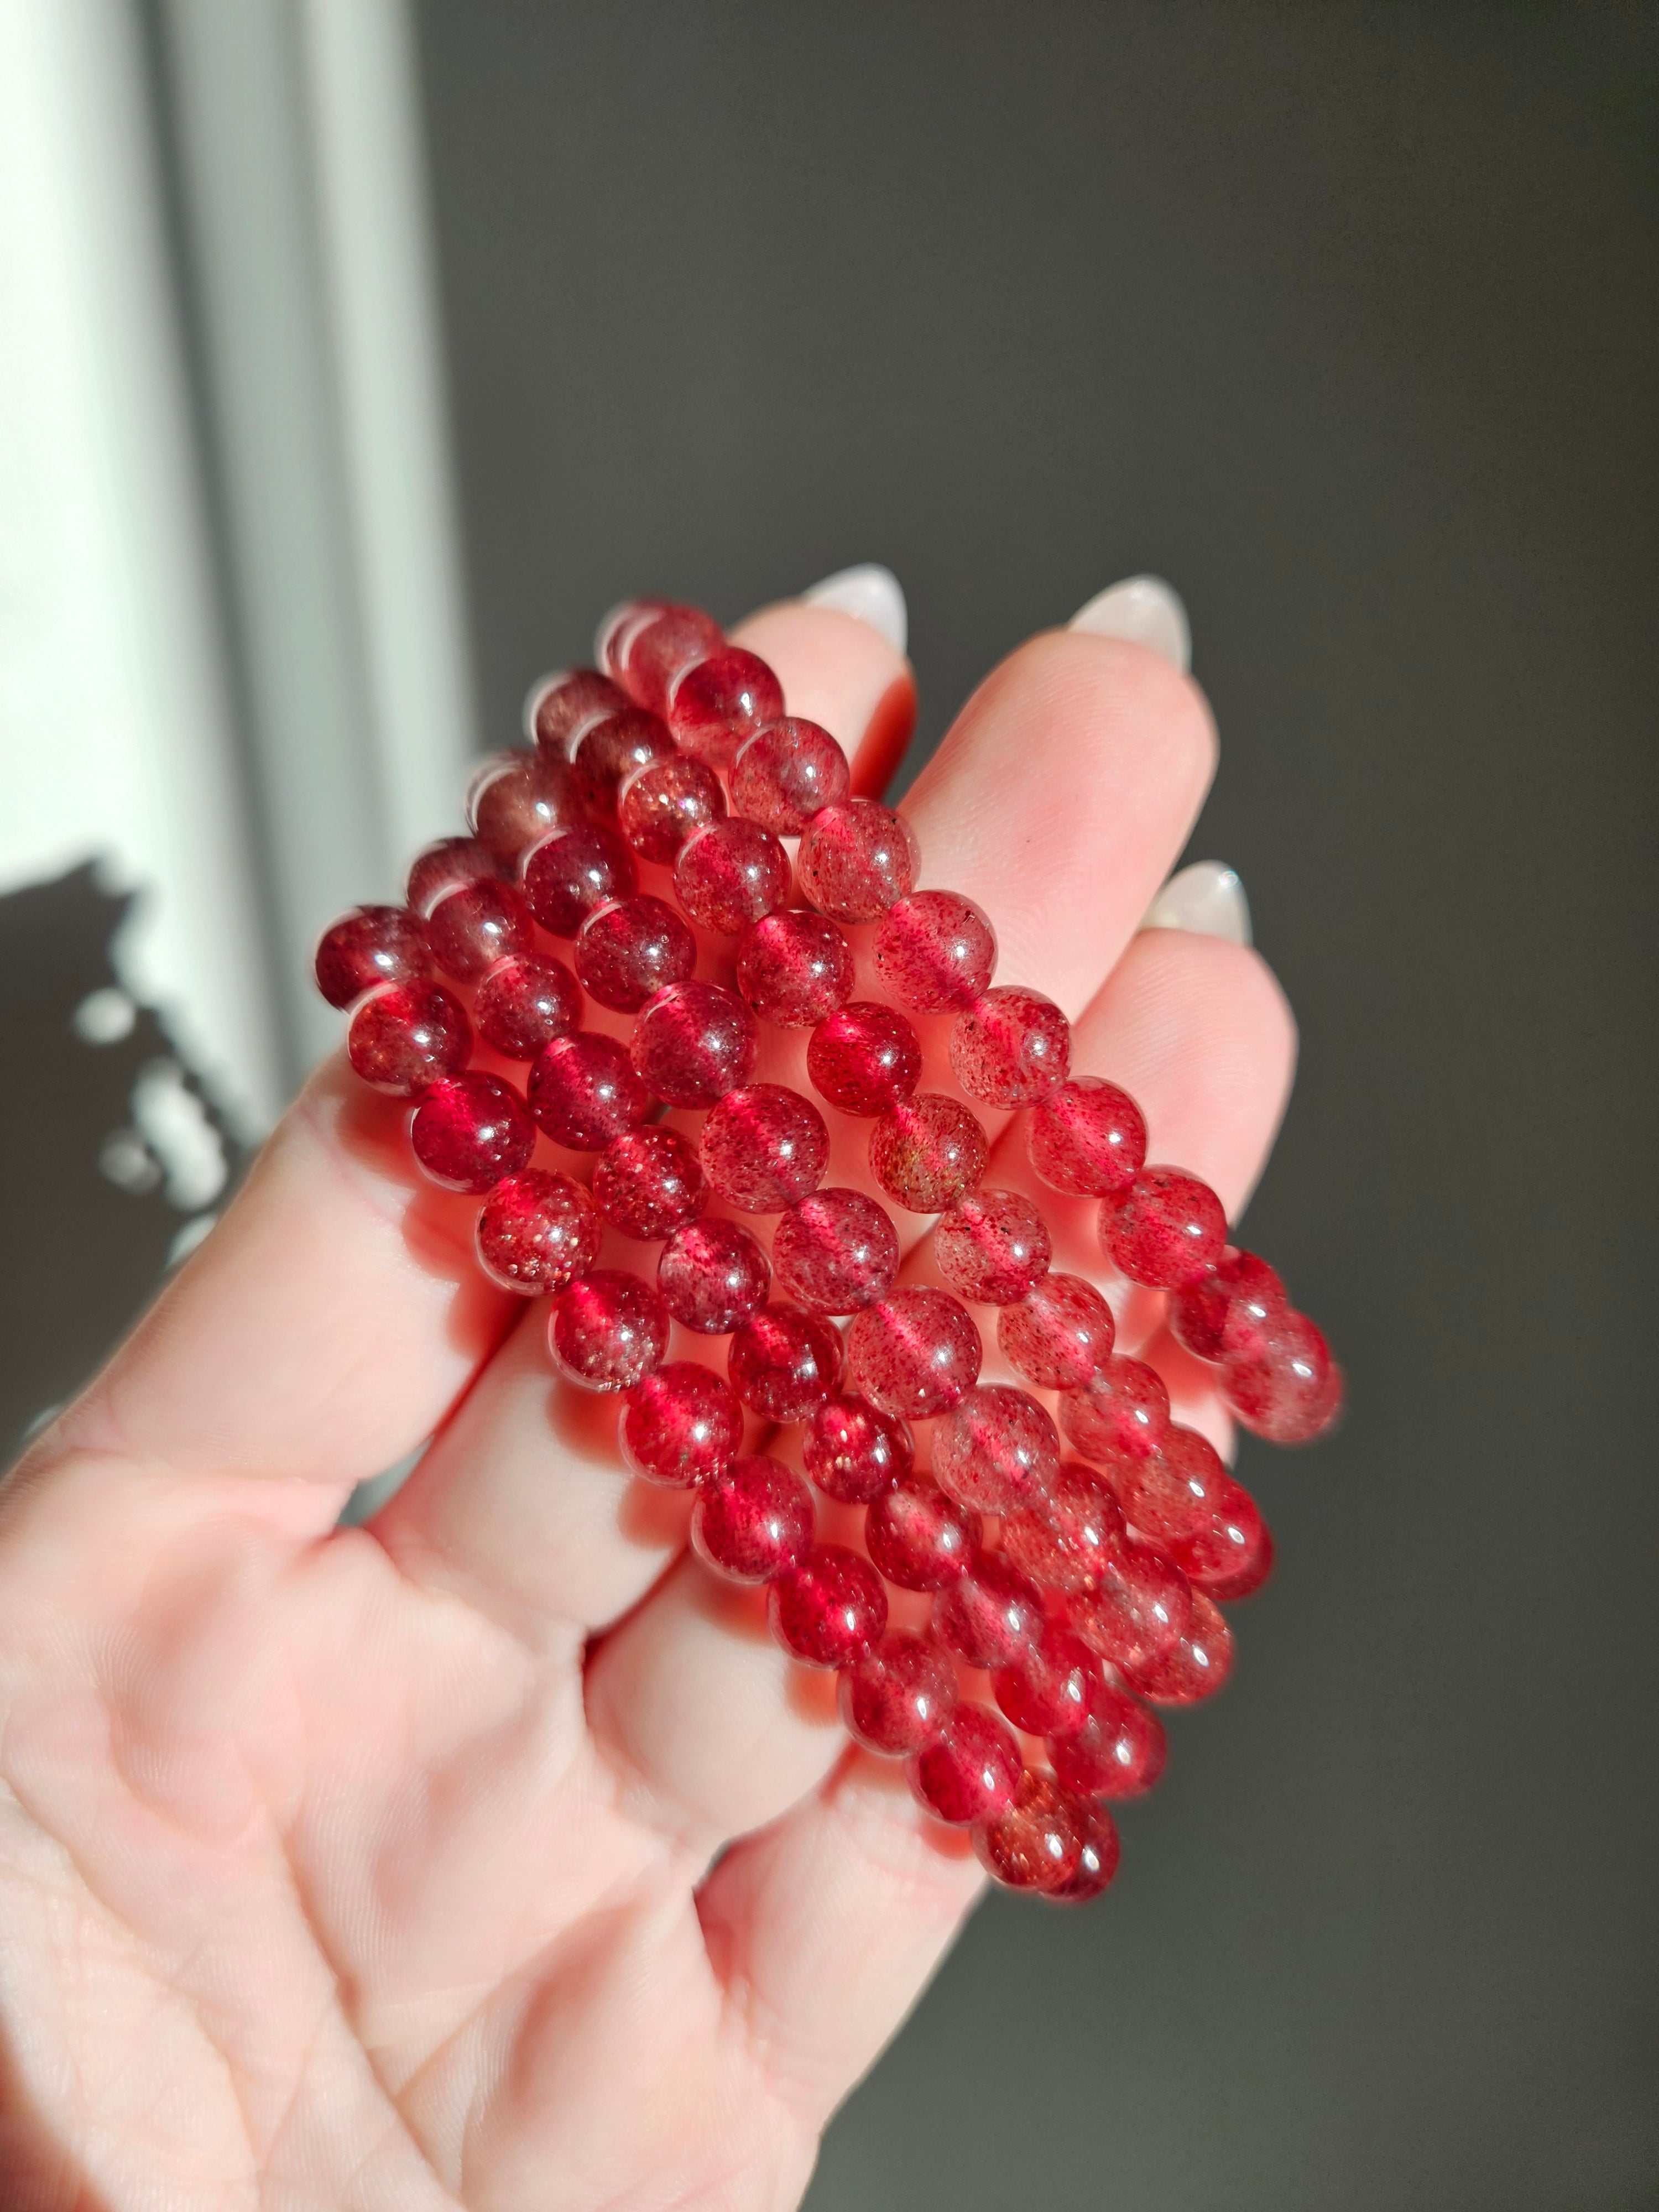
x,y
607,1330
927,1153
470,930
1097,1857
764,1147
536,1231
445,866
920,1539
731,875
993,1246
1117,1751
1087,1138
584,1093
1173,1491
1034,1845
997,1450
935,951
785,773
968,1767
719,700
990,1614
680,1424
632,949
469,1131
566,705
1045,1690
794,969
1138,1609
522,1004
647,643
914,1353
693,1043
713,1276
570,874
518,798
1167,1229
404,1036
784,1362
864,1058
371,945
831,1609
1066,1541
1230,1314
894,1697
647,1183
1230,1554
856,859
1123,1413
1059,1334
835,1250
854,1452
665,804
1195,1666
1290,1389
1011,1047
614,748
753,1520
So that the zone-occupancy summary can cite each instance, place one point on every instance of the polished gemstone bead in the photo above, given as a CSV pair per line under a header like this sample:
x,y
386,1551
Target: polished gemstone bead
x,y
968,1768
920,1539
784,1362
1087,1138
647,643
1066,1541
996,1450
1289,1391
584,1093
1011,1047
1167,1229
469,1131
794,967
855,1452
864,1058
522,1004
662,806
1230,1553
753,1520
1230,1313
1045,1689
927,1153
835,1250
445,866
713,1276
570,874
607,1330
914,1353
730,875
988,1615
517,799
406,1035
1140,1608
856,857
1173,1491
610,751
785,773
471,929
567,705
629,951
535,1230
680,1424
1059,1334
1123,1413
722,700
831,1609
1195,1666
935,951
764,1147
371,945
894,1697
1036,1843
693,1043
1117,1751
647,1183
1097,1857
993,1246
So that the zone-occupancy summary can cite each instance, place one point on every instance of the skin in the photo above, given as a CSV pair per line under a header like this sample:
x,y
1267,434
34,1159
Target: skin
x,y
394,1867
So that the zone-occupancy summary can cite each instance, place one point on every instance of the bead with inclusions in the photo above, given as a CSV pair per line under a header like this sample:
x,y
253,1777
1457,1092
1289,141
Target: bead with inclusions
x,y
995,1450
680,1424
854,1452
914,1352
722,700
1097,1857
1229,1313
1195,1666
445,866
752,1520
632,948
1166,1229
1230,1553
1138,1608
988,1615
572,872
370,946
612,749
927,1153
968,1767
1045,1689
645,643
1087,1138
794,967
934,951
536,1231
835,1250
831,1609
864,1058
1065,1541
518,798
1117,1751
765,1148
730,875
713,1276
405,1036
568,704
1033,1844
895,1696
607,1330
1011,1047
785,773
856,859
992,1248
1173,1492
647,1183
663,804
784,1362
1060,1334
472,928
920,1538
1123,1413
469,1131
693,1043
1290,1389
584,1093
522,1004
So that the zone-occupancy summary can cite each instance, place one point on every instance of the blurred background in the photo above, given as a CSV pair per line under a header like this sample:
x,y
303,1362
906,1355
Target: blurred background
x,y
358,355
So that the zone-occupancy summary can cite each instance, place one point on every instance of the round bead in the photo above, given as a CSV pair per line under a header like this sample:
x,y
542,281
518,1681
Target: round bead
x,y
713,1276
1097,1857
607,1330
536,1231
518,798
854,1452
856,857
1140,1608
1046,1688
584,1093
471,929
1173,1491
764,1147
680,1426
920,1539
730,875
927,1153
935,951
894,1697
829,1610
785,773
469,1131
1066,1541
795,969
753,1520
569,874
864,1058
1230,1554
522,1004
1011,1047
1195,1666
405,1036
1230,1313
445,866
988,1615
968,1768
633,948
1117,1751
614,748
996,1450
567,704
993,1246
1087,1138
1167,1229
371,945
1124,1412
914,1353
835,1250
1059,1334
1035,1844
720,700
693,1043
662,806
647,1183
1290,1389
648,643
784,1362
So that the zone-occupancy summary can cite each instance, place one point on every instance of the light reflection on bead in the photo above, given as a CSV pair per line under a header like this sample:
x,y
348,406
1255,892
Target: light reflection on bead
x,y
914,1353
536,1231
1011,1047
856,857
765,1148
680,1424
371,945
928,1153
831,1609
606,1330
785,773
794,969
935,951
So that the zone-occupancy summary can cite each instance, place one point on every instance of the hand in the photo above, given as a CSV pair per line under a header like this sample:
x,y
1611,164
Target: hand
x,y
491,1855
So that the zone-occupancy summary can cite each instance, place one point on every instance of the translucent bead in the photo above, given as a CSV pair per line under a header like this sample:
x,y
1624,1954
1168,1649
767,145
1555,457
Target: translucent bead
x,y
1195,1666
584,1093
1066,1542
469,1131
935,951
1230,1314
785,773
1167,1229
835,1250
607,1330
470,930
968,1768
730,875
795,969
920,1539
894,1697
1011,1047
997,1450
664,805
1290,1389
680,1424
1035,1844
927,1153
445,866
371,945
988,1615
647,1183
764,1147
1117,1751
693,1043
518,798
713,1276
784,1362
536,1231
1123,1413
829,1610
647,643
406,1035
864,1058
610,751
1230,1553
1045,1689
1141,1606
1097,1857
568,875
1172,1491
522,1004
856,857
1087,1138
993,1246
567,705
753,1520
914,1353
854,1452
1059,1334
629,951
722,700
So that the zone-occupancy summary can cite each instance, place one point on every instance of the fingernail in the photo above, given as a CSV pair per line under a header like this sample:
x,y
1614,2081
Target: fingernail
x,y
1145,610
1206,898
870,594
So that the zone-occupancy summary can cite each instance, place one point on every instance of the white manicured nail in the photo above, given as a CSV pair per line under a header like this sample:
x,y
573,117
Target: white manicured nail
x,y
870,594
1206,898
1146,611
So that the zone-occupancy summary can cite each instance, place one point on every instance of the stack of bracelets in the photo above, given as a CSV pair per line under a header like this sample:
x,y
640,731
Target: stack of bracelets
x,y
1070,1582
